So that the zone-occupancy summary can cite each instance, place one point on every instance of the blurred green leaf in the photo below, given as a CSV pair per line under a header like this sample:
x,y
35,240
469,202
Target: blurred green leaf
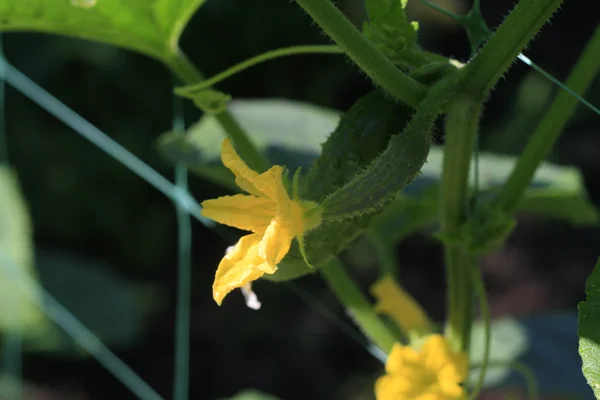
x,y
494,169
389,29
109,305
564,204
251,394
16,312
291,132
287,132
150,27
406,215
10,387
556,191
589,331
509,341
542,346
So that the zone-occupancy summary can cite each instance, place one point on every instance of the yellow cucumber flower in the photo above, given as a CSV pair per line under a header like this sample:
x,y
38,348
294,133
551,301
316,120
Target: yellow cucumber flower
x,y
434,372
268,212
394,301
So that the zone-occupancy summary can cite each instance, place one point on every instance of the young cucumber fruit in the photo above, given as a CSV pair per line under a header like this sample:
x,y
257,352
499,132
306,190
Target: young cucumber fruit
x,y
373,153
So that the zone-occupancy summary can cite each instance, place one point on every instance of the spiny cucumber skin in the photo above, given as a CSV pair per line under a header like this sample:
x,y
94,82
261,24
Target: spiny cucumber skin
x,y
396,167
335,235
363,133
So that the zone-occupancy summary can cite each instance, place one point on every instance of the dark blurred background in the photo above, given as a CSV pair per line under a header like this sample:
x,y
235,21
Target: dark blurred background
x,y
92,212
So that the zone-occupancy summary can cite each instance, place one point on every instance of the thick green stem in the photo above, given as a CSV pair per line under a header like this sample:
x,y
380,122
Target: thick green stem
x,y
357,305
376,65
550,127
461,132
498,54
187,73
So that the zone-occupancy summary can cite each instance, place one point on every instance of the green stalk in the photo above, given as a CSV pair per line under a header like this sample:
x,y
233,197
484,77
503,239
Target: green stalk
x,y
498,54
550,127
266,56
376,65
3,141
12,346
461,132
524,370
357,304
184,271
187,72
479,285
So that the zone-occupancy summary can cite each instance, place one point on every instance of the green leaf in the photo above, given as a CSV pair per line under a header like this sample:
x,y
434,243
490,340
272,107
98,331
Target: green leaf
x,y
390,31
109,305
509,341
10,387
152,27
589,331
556,191
571,206
16,247
537,352
288,133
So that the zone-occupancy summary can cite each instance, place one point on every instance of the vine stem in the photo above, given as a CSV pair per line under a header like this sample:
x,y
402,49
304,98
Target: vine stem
x,y
475,23
551,125
357,305
376,65
184,271
526,372
484,308
461,132
179,64
3,140
503,47
12,345
269,55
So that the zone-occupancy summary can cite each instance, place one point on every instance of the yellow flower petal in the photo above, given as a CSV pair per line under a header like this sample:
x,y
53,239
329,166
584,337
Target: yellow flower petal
x,y
394,301
269,212
395,358
451,388
244,176
240,266
249,213
436,352
388,388
270,185
275,243
432,373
